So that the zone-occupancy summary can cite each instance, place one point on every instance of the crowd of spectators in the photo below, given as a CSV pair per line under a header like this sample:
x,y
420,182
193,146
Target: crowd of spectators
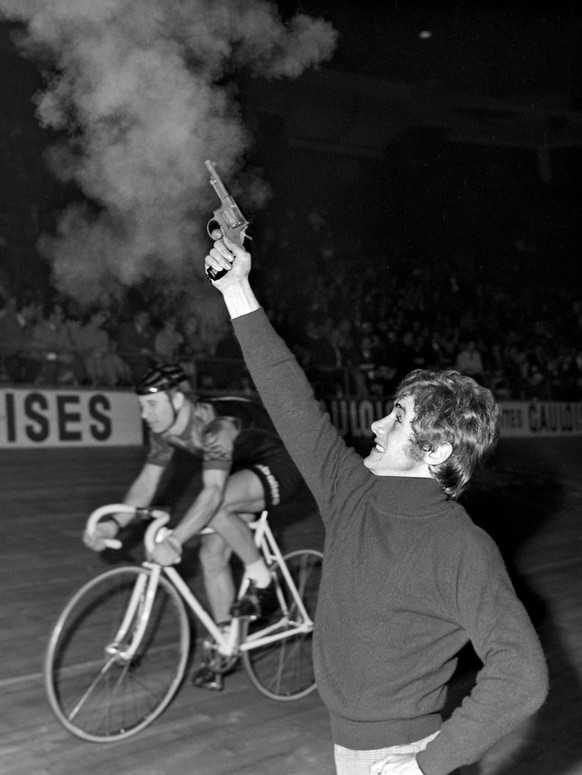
x,y
356,327
56,344
357,321
359,327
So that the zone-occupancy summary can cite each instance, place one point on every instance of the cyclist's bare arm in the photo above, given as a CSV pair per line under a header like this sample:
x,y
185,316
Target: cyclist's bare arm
x,y
219,438
207,503
142,491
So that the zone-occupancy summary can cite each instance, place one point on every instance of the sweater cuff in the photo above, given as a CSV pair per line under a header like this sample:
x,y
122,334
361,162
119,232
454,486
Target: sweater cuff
x,y
250,328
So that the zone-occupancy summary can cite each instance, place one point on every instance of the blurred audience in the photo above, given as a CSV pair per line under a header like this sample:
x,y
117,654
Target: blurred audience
x,y
469,361
357,328
168,341
21,361
62,364
226,369
104,367
136,344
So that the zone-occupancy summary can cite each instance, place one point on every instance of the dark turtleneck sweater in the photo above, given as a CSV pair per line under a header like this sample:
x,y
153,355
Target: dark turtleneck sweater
x,y
408,580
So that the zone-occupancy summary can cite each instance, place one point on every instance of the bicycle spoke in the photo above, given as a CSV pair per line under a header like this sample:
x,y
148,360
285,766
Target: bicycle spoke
x,y
90,689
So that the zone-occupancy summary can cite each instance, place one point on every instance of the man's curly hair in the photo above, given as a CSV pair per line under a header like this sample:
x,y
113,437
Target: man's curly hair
x,y
450,407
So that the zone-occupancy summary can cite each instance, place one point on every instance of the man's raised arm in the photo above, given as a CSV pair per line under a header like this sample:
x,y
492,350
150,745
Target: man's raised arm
x,y
234,285
314,444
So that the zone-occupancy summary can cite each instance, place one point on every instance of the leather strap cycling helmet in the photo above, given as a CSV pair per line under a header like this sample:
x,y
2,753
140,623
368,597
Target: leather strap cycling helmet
x,y
162,378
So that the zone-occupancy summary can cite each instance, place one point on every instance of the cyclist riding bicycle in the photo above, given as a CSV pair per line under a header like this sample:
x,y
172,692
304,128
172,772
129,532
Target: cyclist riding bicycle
x,y
245,469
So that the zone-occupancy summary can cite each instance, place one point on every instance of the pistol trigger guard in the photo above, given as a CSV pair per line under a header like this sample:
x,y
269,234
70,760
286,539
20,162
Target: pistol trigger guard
x,y
210,228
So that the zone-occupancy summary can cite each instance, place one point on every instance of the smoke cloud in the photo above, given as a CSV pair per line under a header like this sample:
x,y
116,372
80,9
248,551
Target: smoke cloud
x,y
139,92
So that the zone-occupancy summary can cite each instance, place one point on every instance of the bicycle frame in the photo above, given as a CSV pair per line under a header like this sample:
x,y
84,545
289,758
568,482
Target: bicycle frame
x,y
142,597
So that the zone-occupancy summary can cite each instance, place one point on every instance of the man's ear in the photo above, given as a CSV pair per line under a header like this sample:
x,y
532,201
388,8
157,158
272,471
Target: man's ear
x,y
178,400
439,454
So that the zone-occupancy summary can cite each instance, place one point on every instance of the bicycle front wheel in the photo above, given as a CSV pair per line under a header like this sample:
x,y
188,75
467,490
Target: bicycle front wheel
x,y
94,689
283,668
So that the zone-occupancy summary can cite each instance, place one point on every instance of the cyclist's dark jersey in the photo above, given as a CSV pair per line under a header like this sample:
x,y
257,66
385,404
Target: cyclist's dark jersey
x,y
226,433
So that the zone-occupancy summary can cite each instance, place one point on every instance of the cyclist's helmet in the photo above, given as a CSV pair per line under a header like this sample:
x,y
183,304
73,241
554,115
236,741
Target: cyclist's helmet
x,y
162,378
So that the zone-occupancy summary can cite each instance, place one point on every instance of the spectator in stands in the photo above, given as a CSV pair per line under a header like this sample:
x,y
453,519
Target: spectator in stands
x,y
344,343
104,366
192,349
168,342
577,375
326,359
136,344
447,346
227,369
306,341
21,361
470,362
568,375
369,358
406,355
4,295
61,363
538,364
515,369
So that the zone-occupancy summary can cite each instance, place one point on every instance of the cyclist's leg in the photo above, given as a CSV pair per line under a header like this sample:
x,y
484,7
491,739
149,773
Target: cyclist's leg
x,y
214,559
262,485
243,499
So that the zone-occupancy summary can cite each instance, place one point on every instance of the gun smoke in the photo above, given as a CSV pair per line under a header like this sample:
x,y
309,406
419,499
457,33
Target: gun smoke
x,y
140,95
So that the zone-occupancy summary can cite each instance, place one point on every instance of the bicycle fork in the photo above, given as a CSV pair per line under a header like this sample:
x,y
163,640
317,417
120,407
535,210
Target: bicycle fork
x,y
117,652
136,616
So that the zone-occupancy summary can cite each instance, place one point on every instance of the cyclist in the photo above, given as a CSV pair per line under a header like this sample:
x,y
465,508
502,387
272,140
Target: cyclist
x,y
245,469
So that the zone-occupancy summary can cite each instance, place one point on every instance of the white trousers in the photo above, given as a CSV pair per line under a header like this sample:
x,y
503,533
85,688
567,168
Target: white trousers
x,y
350,762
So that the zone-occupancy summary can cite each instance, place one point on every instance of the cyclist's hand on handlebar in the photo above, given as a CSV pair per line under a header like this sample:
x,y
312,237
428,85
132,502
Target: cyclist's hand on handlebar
x,y
168,551
103,532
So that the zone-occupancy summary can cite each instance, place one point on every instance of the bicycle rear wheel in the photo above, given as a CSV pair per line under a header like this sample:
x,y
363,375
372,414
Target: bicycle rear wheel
x,y
96,693
283,669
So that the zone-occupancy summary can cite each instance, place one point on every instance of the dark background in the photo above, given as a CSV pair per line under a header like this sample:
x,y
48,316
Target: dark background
x,y
468,183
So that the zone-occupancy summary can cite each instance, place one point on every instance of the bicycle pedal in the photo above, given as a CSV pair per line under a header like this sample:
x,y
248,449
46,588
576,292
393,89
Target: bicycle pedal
x,y
205,678
252,603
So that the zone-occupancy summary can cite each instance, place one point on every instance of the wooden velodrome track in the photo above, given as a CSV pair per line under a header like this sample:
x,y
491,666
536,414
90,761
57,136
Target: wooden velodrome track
x,y
529,499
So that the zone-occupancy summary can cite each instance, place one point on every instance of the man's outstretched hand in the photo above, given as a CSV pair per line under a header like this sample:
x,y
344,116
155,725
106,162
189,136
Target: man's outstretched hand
x,y
227,255
234,284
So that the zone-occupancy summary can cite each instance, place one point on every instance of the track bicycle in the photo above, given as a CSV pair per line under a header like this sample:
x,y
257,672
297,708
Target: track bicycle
x,y
120,648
